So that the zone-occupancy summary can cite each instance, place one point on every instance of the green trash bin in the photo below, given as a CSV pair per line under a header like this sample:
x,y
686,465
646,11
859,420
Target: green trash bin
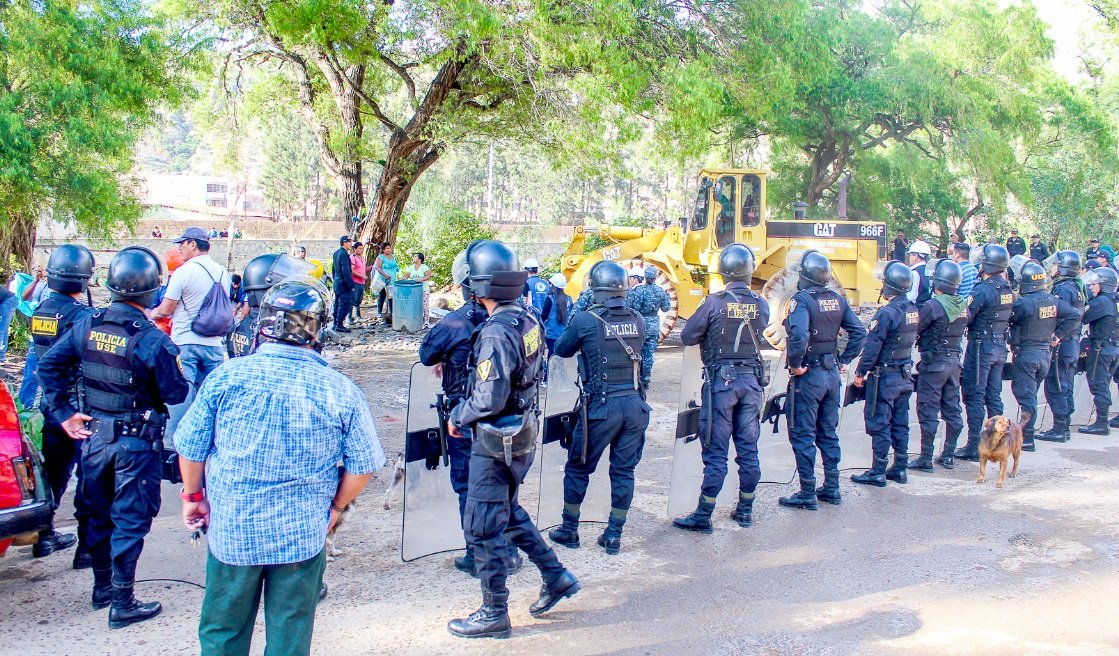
x,y
408,306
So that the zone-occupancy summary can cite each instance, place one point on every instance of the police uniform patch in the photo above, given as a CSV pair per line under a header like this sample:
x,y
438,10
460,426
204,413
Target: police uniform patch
x,y
532,341
742,310
873,324
792,306
969,300
485,368
45,326
1006,299
829,305
109,343
179,362
1047,312
912,318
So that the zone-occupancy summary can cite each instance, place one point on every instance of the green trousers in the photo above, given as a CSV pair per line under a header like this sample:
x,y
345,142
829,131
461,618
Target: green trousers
x,y
233,592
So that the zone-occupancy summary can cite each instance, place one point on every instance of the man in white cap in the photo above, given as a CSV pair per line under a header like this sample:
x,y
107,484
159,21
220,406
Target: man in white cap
x,y
536,288
919,253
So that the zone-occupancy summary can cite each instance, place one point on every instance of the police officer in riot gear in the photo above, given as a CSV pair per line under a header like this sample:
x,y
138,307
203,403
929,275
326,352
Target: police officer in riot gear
x,y
1102,318
988,316
941,324
1067,287
500,408
885,367
649,299
608,339
447,346
129,377
815,316
256,279
728,326
68,272
1035,320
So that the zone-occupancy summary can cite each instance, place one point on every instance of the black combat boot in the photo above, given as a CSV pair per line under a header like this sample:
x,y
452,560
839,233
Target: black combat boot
x,y
611,538
805,499
970,451
1114,423
1028,441
1098,428
563,586
924,462
491,620
514,562
102,588
126,609
897,473
829,491
946,460
744,511
567,534
1059,432
51,541
700,519
465,563
82,559
876,475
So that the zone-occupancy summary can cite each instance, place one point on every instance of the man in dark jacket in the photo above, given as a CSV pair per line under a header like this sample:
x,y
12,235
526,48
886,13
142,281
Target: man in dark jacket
x,y
1038,250
900,247
343,284
1015,245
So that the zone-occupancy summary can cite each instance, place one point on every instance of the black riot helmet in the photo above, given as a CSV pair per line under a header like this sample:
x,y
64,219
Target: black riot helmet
x,y
264,271
69,269
1032,278
1068,264
897,279
1107,278
294,311
494,271
946,277
814,270
994,259
607,280
134,275
736,263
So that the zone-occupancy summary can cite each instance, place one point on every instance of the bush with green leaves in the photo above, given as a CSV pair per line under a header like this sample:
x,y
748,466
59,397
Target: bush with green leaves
x,y
439,235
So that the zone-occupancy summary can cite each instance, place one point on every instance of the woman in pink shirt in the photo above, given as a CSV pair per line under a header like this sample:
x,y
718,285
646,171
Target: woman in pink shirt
x,y
357,263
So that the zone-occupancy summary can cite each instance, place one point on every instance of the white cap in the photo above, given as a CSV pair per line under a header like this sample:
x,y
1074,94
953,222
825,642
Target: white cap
x,y
920,247
559,280
531,263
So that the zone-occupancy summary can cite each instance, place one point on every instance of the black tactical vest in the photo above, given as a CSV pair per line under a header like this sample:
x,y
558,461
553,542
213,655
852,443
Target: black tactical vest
x,y
110,382
900,351
734,337
943,338
617,369
825,318
1068,290
52,319
525,327
242,338
993,320
1039,323
1106,329
924,289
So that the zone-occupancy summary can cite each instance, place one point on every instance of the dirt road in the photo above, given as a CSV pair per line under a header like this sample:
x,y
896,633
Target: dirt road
x,y
939,566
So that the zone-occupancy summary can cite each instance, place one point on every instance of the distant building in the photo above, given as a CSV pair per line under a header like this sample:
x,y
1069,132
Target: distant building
x,y
202,193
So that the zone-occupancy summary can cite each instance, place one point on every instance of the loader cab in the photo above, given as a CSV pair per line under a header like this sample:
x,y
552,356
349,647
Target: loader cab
x,y
729,207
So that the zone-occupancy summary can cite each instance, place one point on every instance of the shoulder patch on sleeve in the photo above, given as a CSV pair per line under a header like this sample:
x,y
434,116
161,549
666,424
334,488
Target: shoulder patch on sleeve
x,y
969,300
792,306
485,370
873,324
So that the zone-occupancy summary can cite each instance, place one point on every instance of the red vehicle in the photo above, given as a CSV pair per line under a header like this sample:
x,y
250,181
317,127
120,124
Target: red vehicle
x,y
25,498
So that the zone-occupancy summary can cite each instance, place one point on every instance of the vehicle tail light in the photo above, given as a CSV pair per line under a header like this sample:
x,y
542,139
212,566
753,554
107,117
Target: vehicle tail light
x,y
25,476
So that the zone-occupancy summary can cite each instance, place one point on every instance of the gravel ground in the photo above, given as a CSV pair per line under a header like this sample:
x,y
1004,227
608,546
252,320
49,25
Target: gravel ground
x,y
939,566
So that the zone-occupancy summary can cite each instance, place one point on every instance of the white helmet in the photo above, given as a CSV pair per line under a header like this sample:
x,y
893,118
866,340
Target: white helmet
x,y
531,263
559,280
920,248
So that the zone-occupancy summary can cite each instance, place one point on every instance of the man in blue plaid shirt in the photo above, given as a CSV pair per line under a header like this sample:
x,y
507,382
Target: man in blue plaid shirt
x,y
259,451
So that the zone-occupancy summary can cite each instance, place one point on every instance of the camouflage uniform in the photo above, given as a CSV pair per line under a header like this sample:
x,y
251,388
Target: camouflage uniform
x,y
584,302
647,299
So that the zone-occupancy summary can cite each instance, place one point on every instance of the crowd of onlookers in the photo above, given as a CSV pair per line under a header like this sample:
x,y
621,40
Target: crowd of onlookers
x,y
1095,255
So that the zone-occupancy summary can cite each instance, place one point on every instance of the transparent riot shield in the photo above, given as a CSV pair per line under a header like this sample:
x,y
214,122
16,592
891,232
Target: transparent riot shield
x,y
775,455
1084,404
856,451
431,519
561,414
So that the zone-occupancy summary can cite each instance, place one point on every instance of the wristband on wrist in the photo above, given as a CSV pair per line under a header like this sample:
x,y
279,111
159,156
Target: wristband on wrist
x,y
193,497
335,508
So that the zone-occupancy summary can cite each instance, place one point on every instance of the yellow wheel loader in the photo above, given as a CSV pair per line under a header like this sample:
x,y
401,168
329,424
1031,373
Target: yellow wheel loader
x,y
731,207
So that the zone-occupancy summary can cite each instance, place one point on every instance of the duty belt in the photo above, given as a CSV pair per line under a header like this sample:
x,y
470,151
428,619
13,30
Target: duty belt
x,y
817,359
939,356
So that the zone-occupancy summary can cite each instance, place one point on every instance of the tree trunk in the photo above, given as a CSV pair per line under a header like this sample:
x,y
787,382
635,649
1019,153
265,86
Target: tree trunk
x,y
353,197
406,160
17,238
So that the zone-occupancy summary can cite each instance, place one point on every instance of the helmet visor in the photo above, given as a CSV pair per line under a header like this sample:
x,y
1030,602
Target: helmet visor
x,y
1016,264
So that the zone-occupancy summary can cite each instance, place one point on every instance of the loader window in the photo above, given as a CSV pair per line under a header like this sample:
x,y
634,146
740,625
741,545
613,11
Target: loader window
x,y
699,219
751,201
724,194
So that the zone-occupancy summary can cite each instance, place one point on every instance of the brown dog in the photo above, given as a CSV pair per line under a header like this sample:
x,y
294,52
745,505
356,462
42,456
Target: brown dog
x,y
1000,440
